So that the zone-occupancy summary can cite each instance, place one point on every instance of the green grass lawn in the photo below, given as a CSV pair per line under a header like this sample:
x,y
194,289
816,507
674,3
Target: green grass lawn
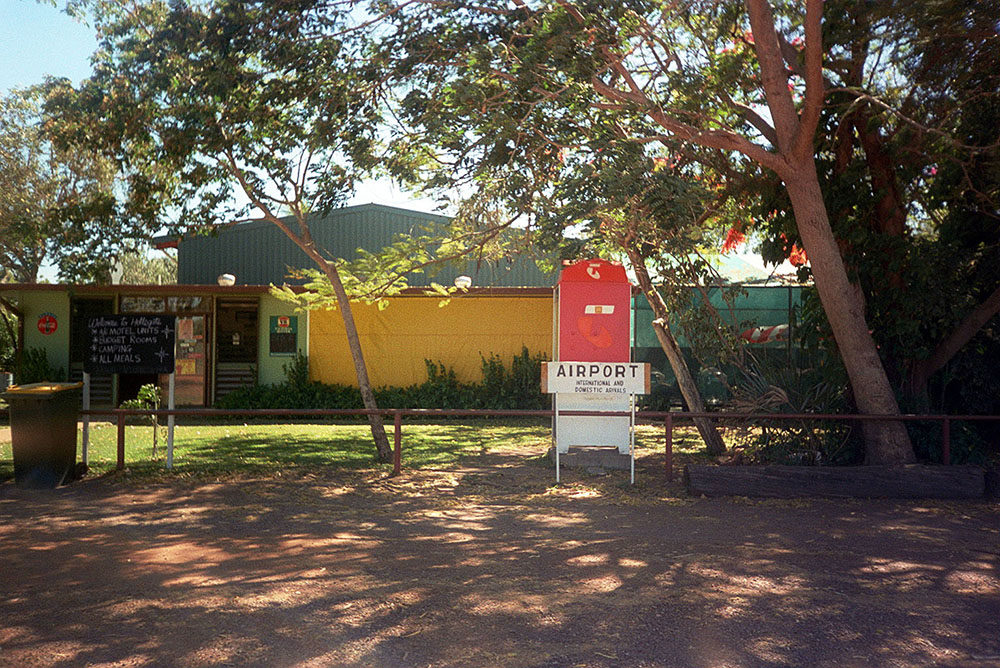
x,y
260,448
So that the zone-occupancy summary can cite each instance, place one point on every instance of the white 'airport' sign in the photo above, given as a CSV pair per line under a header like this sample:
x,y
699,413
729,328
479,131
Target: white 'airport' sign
x,y
605,379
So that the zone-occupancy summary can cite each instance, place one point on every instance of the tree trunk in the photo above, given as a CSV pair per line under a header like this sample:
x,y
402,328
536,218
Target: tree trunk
x,y
304,241
885,442
714,444
361,370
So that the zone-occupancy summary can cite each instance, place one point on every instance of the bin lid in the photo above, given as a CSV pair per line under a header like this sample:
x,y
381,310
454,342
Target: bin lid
x,y
41,389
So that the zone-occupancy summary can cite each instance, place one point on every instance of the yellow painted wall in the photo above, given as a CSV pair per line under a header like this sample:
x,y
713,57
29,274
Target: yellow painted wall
x,y
398,339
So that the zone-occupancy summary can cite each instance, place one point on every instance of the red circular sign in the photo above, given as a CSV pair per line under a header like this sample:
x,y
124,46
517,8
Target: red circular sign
x,y
47,323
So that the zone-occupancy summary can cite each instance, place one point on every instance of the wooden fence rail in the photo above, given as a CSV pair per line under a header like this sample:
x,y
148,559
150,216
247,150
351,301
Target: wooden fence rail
x,y
667,418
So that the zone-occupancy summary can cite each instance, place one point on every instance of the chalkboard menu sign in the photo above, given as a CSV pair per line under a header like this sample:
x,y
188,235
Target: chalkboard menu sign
x,y
130,344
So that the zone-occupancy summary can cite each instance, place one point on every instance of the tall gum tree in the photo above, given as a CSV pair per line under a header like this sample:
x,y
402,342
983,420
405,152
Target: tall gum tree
x,y
618,200
221,112
908,158
658,61
792,159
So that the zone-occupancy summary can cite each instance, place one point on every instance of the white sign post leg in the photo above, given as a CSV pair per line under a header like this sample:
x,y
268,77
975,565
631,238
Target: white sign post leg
x,y
85,442
555,404
631,447
170,424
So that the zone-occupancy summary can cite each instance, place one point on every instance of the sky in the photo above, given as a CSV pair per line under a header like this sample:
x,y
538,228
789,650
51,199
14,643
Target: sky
x,y
39,40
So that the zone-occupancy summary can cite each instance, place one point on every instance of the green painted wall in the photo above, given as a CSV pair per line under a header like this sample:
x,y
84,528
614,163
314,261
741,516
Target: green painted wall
x,y
56,345
270,371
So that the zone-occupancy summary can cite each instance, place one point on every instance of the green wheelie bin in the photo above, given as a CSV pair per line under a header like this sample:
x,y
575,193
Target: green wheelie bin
x,y
43,432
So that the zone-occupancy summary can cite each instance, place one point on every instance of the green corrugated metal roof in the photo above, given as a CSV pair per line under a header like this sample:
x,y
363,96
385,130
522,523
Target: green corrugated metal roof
x,y
258,253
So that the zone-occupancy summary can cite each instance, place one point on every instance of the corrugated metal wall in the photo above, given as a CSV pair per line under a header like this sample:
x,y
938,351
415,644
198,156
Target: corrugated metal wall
x,y
258,253
761,305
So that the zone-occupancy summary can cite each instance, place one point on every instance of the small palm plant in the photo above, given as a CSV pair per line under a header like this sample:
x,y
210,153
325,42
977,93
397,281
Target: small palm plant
x,y
148,398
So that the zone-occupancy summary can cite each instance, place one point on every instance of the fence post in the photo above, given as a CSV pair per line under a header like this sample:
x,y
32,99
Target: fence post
x,y
668,428
946,442
121,441
397,451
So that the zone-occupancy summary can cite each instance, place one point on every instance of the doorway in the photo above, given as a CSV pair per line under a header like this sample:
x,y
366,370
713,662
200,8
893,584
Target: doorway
x,y
236,345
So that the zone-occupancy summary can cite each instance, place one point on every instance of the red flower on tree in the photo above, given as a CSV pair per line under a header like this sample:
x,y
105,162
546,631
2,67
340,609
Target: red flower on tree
x,y
797,256
733,239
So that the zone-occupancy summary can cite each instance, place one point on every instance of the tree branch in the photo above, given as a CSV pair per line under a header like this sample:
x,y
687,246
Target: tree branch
x,y
958,337
773,74
815,93
754,119
721,139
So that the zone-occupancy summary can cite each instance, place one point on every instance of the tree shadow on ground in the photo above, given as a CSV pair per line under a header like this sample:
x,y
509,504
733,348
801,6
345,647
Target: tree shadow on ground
x,y
488,563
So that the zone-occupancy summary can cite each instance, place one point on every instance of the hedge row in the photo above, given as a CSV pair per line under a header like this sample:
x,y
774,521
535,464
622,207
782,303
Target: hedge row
x,y
517,386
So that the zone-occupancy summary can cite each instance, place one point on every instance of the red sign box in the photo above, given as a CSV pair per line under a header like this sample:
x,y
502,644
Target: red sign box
x,y
593,312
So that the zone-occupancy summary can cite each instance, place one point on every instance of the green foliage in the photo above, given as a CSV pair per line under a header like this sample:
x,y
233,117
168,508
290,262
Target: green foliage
x,y
297,391
55,202
138,268
200,101
33,367
8,340
515,387
909,161
218,112
292,395
800,385
297,371
969,443
812,443
662,397
148,397
441,390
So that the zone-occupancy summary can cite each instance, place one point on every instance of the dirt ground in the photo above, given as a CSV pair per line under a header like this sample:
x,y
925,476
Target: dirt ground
x,y
489,564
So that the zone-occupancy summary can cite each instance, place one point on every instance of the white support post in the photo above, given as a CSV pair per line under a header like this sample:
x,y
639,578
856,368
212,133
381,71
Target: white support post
x,y
170,423
631,447
555,406
85,441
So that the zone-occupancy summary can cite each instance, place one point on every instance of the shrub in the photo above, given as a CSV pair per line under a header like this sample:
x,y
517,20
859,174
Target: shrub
x,y
777,386
442,389
518,387
33,367
297,371
148,398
